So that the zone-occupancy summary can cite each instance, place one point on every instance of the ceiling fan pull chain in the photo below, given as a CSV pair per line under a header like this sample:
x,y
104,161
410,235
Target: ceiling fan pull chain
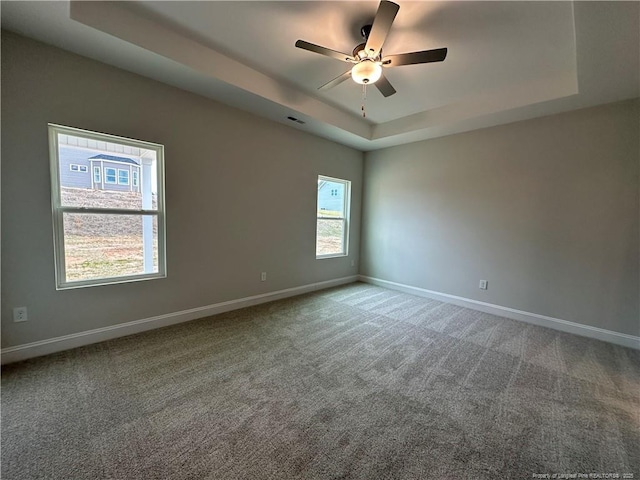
x,y
364,99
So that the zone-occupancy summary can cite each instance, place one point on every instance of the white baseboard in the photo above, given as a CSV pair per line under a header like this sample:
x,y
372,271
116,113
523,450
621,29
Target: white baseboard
x,y
66,342
528,317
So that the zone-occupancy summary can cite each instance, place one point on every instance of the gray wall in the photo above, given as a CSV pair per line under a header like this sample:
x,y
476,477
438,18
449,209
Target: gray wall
x,y
547,210
222,167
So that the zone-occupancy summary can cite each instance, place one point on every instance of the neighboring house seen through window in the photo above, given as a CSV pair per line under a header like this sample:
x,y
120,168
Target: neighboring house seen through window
x,y
134,179
106,233
332,230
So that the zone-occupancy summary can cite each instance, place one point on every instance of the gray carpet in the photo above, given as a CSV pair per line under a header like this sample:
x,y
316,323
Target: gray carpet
x,y
357,382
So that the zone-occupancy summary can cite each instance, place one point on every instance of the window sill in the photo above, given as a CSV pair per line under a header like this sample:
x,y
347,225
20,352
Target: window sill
x,y
332,255
109,281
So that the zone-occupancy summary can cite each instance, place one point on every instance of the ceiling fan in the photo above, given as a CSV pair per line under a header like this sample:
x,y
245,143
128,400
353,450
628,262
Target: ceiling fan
x,y
367,57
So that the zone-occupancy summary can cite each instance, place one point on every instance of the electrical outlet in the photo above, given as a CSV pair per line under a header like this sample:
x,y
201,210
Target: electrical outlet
x,y
20,314
484,285
263,277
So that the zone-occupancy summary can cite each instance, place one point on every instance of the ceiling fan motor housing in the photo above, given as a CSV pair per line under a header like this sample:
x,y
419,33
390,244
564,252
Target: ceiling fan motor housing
x,y
359,52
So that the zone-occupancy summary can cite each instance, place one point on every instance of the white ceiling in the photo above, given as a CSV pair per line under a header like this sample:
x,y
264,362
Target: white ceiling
x,y
507,61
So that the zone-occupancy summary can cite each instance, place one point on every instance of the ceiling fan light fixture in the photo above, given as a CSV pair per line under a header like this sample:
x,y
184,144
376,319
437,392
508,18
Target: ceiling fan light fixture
x,y
366,72
368,58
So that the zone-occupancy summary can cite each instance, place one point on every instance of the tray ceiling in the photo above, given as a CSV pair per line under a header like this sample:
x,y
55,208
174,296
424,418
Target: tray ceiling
x,y
507,61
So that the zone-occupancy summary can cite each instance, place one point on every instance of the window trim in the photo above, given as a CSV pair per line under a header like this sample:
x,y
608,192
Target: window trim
x,y
58,210
134,177
97,175
345,219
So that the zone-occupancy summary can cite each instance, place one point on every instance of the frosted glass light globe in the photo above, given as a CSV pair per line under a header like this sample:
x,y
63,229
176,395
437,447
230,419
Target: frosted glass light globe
x,y
365,72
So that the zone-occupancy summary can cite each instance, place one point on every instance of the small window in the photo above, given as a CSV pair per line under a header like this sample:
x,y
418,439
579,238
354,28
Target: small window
x,y
110,175
332,230
134,179
123,177
112,236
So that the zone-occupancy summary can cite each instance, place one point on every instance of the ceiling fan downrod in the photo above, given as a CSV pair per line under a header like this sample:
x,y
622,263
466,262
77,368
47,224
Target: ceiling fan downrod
x,y
365,31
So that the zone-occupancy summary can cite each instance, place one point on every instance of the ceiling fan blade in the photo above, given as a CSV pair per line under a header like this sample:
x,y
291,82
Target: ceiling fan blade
x,y
384,86
336,81
324,51
413,58
381,25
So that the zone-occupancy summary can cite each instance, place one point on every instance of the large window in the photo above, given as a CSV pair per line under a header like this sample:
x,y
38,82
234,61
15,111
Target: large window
x,y
106,233
332,234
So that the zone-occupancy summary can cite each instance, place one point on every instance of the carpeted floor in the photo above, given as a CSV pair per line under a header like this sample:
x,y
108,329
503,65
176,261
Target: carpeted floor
x,y
356,382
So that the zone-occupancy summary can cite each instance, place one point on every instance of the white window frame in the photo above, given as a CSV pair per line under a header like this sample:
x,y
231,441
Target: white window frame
x,y
134,177
58,210
78,168
97,175
106,176
345,220
123,170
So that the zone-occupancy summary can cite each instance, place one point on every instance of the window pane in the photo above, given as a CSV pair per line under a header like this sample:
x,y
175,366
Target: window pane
x,y
330,199
98,174
330,233
123,177
107,246
110,174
